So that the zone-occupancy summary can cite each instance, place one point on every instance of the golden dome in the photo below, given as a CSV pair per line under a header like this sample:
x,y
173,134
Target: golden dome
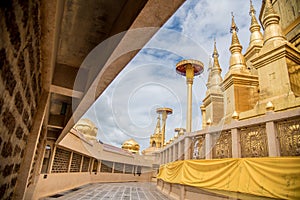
x,y
131,145
87,127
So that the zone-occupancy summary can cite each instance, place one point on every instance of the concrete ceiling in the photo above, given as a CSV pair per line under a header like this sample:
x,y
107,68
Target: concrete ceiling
x,y
71,29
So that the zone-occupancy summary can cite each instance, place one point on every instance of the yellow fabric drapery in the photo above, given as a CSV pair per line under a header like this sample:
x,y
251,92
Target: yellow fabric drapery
x,y
276,177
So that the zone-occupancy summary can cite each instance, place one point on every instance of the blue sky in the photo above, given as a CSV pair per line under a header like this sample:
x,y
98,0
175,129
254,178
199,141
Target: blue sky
x,y
127,107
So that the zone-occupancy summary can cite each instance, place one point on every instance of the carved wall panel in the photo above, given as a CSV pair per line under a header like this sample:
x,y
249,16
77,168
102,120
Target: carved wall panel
x,y
222,145
254,141
198,147
294,75
289,137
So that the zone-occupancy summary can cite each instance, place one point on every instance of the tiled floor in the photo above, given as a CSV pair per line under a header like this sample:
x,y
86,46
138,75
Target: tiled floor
x,y
115,191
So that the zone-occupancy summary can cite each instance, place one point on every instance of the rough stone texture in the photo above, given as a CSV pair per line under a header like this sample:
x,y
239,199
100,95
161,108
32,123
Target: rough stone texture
x,y
20,84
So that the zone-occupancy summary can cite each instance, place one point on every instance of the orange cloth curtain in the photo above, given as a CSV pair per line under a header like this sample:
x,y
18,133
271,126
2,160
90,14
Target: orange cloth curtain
x,y
270,177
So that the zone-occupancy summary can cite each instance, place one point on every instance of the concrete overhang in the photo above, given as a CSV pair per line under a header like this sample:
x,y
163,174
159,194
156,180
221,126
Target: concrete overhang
x,y
85,44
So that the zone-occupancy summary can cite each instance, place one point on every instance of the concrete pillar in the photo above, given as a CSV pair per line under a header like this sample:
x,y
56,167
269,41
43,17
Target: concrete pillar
x,y
169,154
92,160
174,152
273,146
81,163
41,157
182,192
99,166
70,161
235,142
179,152
52,158
189,107
32,141
208,146
113,167
90,164
166,156
187,149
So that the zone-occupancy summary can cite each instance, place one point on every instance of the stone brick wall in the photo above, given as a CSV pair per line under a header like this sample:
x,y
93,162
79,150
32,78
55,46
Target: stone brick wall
x,y
61,161
20,84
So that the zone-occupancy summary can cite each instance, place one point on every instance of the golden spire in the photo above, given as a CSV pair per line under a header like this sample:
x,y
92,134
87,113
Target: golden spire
x,y
271,23
215,54
234,29
209,73
237,60
157,128
252,13
215,77
216,65
256,37
269,8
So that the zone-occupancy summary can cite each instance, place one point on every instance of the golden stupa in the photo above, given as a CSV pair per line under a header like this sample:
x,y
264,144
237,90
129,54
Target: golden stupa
x,y
131,145
87,127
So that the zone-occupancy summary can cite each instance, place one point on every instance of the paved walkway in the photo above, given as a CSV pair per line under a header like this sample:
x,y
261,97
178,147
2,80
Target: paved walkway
x,y
115,191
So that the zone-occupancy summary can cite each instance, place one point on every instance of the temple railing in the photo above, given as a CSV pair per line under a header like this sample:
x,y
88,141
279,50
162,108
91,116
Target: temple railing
x,y
271,135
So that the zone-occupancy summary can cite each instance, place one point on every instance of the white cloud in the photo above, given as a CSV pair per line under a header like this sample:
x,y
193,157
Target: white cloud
x,y
127,108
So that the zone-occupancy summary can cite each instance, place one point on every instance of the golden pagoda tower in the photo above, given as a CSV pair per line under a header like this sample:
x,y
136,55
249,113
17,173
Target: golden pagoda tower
x,y
277,65
239,85
156,138
256,40
209,69
213,103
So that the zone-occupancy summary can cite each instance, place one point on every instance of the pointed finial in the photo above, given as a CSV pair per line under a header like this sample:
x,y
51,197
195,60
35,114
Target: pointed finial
x,y
215,49
252,14
209,64
269,8
252,10
233,25
209,69
234,29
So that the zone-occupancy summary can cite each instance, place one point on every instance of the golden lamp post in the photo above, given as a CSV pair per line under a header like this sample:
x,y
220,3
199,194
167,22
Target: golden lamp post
x,y
189,69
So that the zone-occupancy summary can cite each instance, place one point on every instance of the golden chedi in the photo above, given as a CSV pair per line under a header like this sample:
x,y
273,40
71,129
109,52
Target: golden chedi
x,y
87,127
131,145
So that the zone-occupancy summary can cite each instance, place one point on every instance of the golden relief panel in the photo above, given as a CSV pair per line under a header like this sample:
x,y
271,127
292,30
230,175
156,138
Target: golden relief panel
x,y
289,137
254,141
198,147
222,146
294,75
